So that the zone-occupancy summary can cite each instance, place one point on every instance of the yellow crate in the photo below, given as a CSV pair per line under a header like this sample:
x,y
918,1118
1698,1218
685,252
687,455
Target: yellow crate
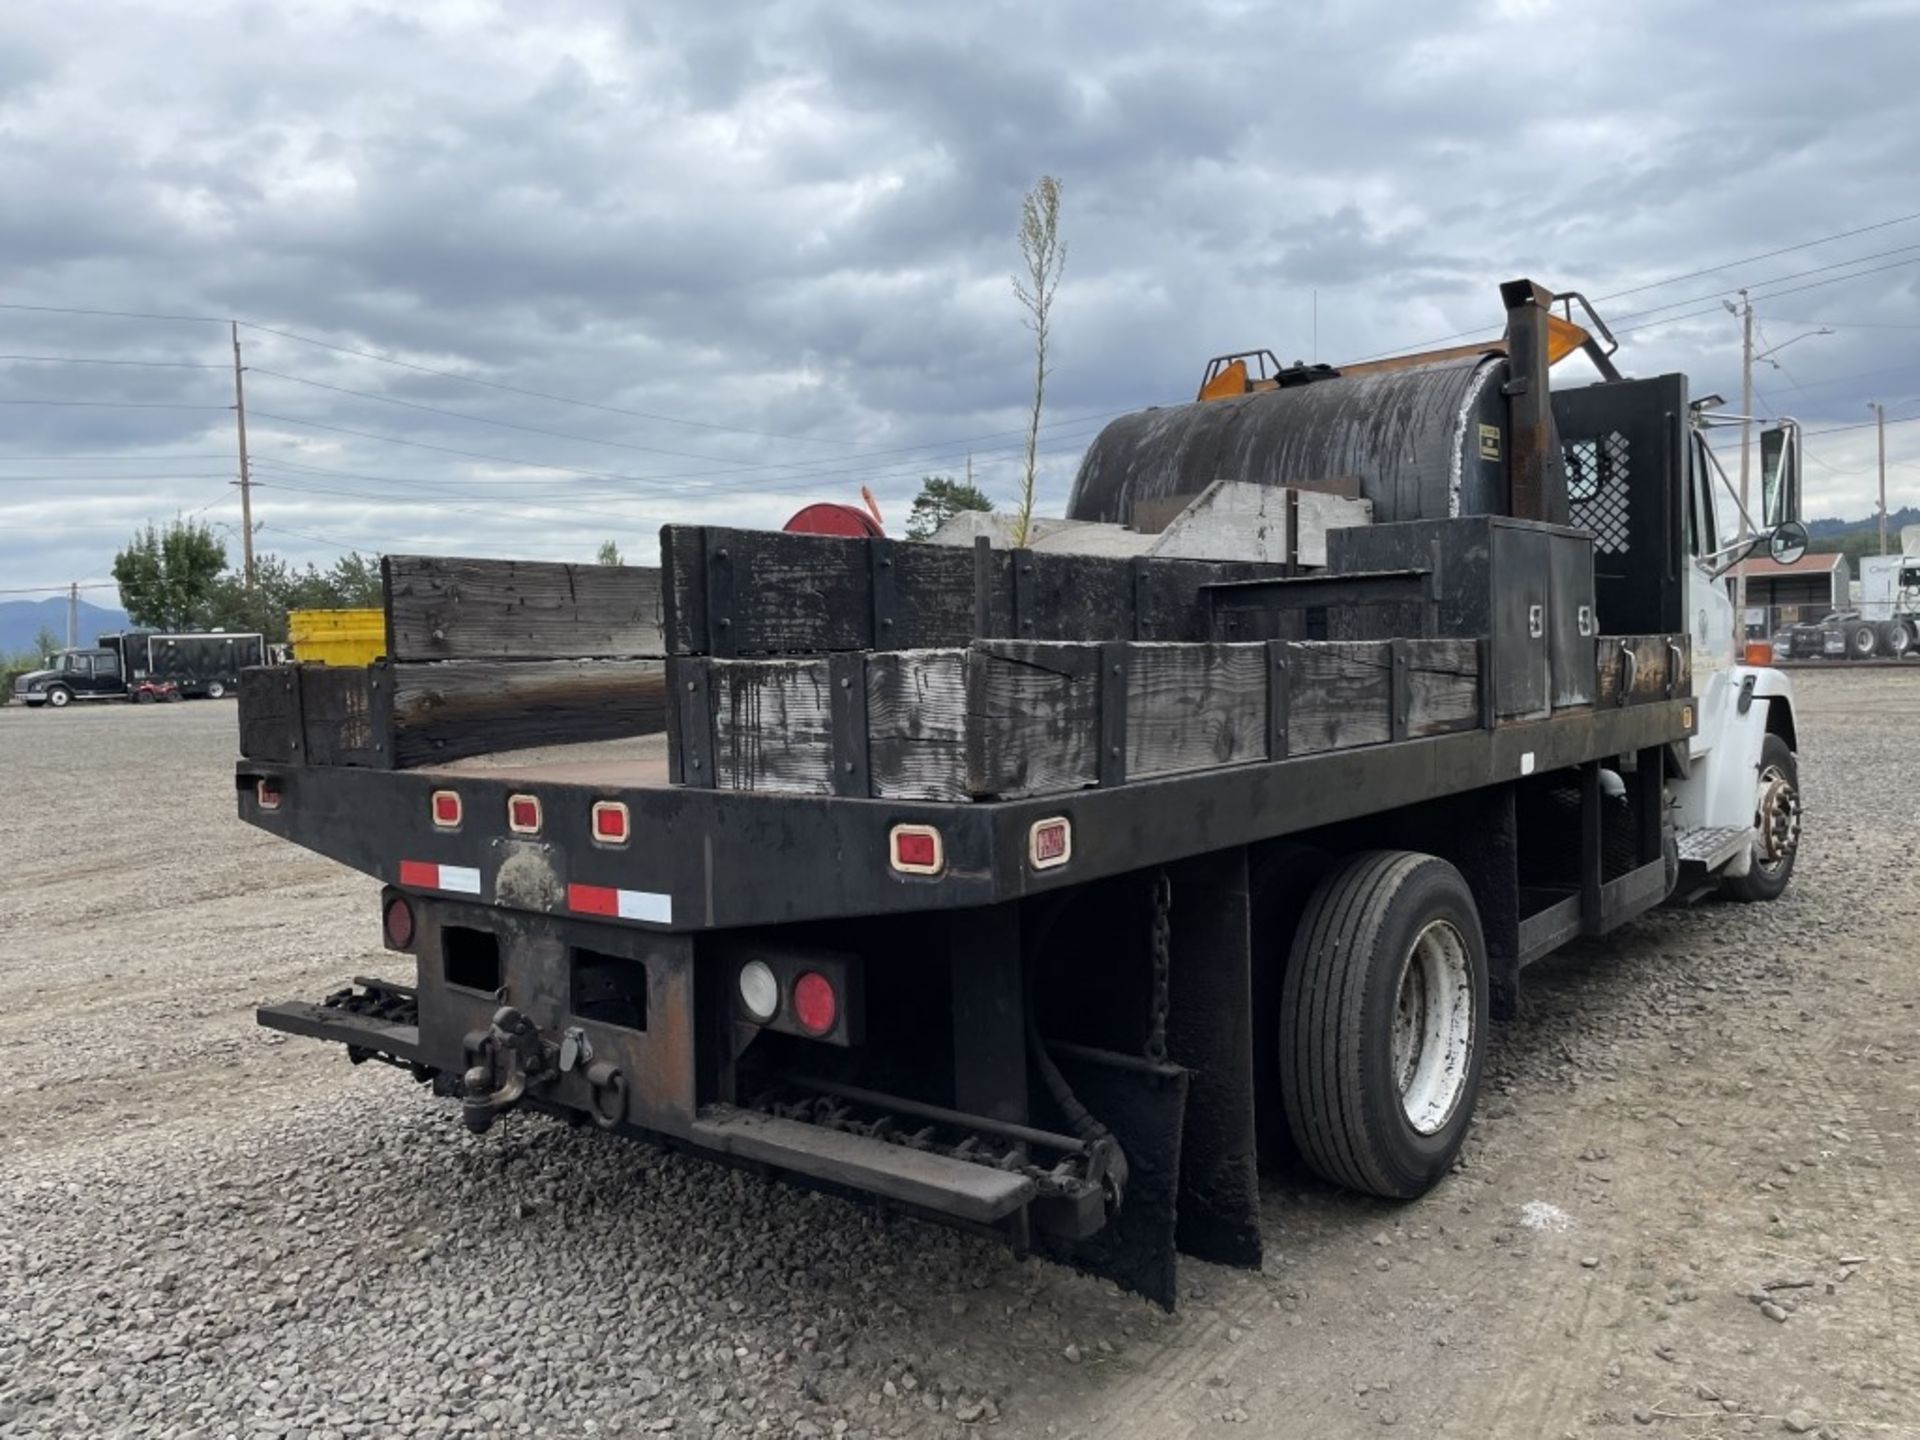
x,y
338,637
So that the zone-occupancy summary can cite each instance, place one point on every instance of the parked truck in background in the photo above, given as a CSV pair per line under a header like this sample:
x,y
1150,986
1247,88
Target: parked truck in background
x,y
1042,892
198,664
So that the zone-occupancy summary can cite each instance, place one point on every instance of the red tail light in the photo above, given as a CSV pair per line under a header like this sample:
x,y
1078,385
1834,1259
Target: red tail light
x,y
523,814
445,807
399,923
1050,843
917,850
611,824
267,792
815,1005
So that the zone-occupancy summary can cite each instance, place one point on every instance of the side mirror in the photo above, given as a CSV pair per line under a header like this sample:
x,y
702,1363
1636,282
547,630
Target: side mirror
x,y
1780,477
1787,545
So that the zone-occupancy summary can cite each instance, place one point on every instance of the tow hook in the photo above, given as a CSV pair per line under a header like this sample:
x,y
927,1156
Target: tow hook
x,y
503,1060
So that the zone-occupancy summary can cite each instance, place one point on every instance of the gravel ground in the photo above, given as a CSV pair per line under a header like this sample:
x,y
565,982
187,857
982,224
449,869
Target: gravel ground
x,y
1691,1203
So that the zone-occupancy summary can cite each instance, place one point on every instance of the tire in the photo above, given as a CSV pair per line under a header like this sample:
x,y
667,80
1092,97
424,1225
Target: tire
x,y
58,696
143,697
1896,638
1775,811
1861,641
1383,1023
215,690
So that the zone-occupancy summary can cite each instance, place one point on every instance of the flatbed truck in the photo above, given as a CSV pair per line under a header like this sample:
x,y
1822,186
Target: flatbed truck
x,y
1045,894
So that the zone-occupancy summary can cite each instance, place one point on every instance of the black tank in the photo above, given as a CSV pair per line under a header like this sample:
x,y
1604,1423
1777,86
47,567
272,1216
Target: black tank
x,y
1425,444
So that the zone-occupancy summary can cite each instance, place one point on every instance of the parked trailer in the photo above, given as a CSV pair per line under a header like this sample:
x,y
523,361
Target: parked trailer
x,y
1040,893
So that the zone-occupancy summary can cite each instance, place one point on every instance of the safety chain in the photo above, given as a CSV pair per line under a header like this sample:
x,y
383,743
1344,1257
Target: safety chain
x,y
1162,963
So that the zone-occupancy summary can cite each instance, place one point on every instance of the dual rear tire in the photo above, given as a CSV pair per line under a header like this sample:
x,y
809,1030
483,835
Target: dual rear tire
x,y
1383,1023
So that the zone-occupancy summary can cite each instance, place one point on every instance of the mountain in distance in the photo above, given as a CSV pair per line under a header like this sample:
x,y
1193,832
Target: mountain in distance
x,y
21,620
1836,529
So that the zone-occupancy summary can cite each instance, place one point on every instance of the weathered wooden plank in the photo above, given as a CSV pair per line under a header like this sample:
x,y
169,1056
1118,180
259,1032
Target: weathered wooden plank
x,y
934,597
683,586
443,608
772,725
1073,597
917,724
1190,707
347,715
270,713
795,594
444,710
1340,696
1033,718
1443,686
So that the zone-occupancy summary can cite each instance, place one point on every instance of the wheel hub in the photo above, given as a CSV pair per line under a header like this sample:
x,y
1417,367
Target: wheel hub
x,y
1776,820
1433,1027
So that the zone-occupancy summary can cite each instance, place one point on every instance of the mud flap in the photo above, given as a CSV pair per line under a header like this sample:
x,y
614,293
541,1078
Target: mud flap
x,y
1144,1104
1210,1033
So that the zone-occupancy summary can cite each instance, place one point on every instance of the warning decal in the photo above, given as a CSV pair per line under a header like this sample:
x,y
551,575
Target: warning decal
x,y
1489,442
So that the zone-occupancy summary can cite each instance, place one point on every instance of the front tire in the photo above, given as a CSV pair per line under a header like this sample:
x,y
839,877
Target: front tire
x,y
1383,1023
58,697
1776,827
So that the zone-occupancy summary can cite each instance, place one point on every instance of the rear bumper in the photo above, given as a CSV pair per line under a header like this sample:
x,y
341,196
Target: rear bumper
x,y
901,1163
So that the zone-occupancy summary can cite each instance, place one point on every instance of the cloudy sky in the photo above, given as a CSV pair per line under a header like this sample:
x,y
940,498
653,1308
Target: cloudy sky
x,y
517,278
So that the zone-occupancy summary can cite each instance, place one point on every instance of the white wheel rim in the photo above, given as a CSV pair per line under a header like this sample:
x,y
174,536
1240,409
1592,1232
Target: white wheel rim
x,y
1433,1027
57,698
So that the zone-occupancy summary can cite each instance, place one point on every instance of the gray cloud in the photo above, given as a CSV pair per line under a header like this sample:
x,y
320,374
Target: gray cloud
x,y
798,219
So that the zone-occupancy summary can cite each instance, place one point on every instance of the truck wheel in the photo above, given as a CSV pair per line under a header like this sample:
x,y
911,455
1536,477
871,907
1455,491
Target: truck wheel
x,y
1896,638
1383,1023
1776,827
58,696
215,690
1861,641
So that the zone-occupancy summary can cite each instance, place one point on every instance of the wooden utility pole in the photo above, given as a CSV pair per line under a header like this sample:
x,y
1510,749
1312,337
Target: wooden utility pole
x,y
1746,437
246,472
73,614
1880,424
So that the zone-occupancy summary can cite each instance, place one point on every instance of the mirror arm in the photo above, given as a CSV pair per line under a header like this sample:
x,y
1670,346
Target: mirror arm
x,y
1732,494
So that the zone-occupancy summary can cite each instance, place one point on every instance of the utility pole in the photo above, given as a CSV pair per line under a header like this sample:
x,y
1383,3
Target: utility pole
x,y
73,613
1880,423
246,472
1746,437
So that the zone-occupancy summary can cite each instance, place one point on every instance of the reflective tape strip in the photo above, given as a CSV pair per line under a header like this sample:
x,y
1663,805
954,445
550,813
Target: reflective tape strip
x,y
645,905
425,875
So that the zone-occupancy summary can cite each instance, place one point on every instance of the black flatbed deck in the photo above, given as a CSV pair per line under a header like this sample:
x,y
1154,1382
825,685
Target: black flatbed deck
x,y
717,859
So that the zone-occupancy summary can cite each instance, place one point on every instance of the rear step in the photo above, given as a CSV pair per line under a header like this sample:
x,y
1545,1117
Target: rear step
x,y
343,1027
912,1177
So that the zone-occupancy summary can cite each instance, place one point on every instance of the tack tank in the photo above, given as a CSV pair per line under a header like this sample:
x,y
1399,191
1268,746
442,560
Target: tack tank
x,y
1425,443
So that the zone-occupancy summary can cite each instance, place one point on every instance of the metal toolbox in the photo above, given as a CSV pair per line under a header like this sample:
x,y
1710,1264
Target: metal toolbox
x,y
1525,585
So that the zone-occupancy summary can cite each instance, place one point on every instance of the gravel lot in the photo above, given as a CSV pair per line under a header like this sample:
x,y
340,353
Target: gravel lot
x,y
210,1230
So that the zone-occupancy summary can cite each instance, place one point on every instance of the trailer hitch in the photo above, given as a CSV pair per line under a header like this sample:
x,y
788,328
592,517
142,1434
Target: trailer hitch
x,y
502,1061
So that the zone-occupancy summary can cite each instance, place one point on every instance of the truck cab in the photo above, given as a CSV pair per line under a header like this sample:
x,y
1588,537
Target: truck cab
x,y
72,675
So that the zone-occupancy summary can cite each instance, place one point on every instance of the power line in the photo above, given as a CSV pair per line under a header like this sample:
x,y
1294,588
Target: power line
x,y
98,360
1692,274
1753,259
113,314
119,404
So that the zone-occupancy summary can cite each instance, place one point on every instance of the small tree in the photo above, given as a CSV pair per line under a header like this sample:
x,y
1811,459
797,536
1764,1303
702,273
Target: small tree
x,y
1044,254
168,578
941,498
609,554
